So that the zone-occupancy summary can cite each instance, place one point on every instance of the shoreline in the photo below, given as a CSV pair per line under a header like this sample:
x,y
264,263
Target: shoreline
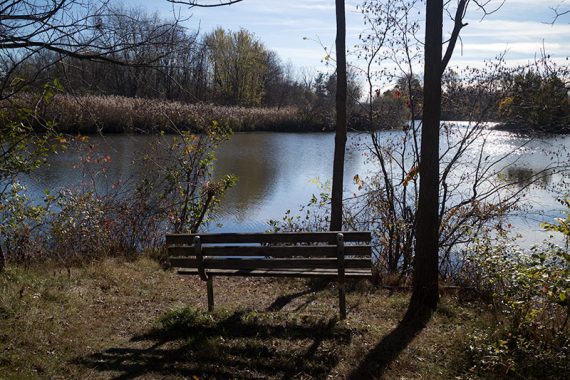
x,y
110,115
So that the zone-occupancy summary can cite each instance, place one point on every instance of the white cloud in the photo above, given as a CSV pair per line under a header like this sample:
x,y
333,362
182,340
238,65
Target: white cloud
x,y
302,54
507,29
526,48
535,3
519,27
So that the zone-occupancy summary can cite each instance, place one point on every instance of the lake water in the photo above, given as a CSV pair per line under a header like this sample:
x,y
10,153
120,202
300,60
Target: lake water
x,y
277,171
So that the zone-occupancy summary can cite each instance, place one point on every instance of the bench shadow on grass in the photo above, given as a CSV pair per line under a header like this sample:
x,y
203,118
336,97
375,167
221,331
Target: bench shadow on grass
x,y
188,343
315,285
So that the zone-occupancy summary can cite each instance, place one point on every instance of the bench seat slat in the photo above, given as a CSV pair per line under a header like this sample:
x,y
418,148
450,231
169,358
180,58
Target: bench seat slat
x,y
235,263
284,237
332,273
273,251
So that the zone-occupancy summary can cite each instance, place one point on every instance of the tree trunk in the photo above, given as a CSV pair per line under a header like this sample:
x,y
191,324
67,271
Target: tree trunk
x,y
425,291
340,136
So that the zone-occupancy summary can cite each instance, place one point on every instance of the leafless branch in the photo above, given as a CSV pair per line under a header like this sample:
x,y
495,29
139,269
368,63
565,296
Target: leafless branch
x,y
460,13
78,29
559,11
198,4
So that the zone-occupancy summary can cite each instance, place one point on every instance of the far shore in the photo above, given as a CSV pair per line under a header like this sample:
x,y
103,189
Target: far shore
x,y
107,114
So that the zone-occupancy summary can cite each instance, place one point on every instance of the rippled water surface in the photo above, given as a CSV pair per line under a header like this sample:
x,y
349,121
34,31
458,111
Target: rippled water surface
x,y
276,171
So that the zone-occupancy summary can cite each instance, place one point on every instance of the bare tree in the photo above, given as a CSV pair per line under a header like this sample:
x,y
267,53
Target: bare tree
x,y
47,32
425,291
390,49
340,136
66,29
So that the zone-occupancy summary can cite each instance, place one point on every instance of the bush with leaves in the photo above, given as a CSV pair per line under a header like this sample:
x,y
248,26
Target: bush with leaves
x,y
83,223
183,177
22,223
178,193
81,229
562,225
22,150
311,217
529,296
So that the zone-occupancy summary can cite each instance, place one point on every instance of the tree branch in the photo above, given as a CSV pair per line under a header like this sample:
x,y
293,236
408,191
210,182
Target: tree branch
x,y
196,3
458,25
559,12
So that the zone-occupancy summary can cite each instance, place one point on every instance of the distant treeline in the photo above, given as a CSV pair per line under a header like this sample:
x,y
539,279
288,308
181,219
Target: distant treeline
x,y
182,70
184,76
225,68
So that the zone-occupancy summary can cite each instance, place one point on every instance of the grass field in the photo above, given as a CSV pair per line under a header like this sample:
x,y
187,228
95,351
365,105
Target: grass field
x,y
120,319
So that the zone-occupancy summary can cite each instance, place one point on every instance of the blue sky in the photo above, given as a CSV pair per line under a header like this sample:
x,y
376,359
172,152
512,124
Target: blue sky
x,y
520,27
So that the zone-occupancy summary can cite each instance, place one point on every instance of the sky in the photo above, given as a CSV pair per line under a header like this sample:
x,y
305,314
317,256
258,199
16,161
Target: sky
x,y
298,29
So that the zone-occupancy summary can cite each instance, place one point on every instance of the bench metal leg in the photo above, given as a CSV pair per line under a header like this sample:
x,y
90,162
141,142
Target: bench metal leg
x,y
210,283
340,280
341,300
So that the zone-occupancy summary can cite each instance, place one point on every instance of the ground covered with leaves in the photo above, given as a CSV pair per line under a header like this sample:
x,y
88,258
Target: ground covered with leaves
x,y
127,319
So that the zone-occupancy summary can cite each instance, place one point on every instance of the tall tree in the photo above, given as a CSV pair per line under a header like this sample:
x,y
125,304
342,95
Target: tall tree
x,y
340,136
425,292
239,67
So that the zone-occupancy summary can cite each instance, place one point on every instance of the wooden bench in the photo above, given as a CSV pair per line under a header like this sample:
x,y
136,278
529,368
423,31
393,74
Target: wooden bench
x,y
290,254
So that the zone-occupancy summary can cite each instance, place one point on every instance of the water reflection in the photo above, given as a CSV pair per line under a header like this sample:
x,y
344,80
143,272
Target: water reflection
x,y
275,173
254,160
524,177
275,170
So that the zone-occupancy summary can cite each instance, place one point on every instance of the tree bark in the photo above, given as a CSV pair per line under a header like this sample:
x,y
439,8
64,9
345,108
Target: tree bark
x,y
340,135
425,290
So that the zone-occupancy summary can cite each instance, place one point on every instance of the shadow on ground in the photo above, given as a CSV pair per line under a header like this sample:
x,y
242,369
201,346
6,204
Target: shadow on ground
x,y
315,285
379,359
189,343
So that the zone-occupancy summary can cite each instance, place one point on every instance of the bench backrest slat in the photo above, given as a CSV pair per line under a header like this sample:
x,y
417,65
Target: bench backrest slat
x,y
276,238
272,251
293,251
251,264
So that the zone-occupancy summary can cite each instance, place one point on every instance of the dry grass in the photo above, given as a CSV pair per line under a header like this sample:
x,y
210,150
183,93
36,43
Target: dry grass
x,y
126,319
117,114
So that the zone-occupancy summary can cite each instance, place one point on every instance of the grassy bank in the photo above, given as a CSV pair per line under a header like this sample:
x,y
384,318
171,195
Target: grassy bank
x,y
115,114
115,318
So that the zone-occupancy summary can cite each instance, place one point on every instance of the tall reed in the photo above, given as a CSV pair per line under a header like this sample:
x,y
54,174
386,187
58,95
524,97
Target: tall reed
x,y
116,114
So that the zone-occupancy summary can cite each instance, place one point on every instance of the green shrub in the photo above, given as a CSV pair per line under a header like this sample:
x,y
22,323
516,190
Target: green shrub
x,y
21,223
528,293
